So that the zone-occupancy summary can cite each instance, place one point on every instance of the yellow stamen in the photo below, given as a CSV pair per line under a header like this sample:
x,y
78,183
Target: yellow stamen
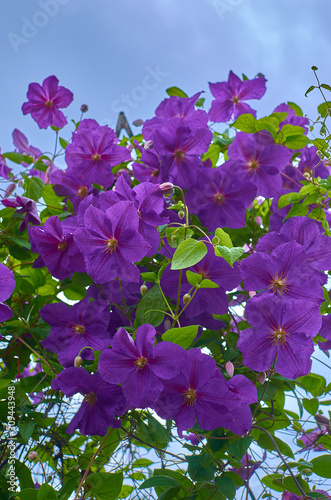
x,y
141,362
190,397
279,336
278,283
79,329
90,399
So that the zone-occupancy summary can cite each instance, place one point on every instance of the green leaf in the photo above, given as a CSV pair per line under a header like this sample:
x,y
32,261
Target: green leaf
x,y
208,284
288,130
28,494
183,336
52,200
150,277
226,486
323,108
238,447
296,108
26,430
146,310
193,278
175,235
268,123
63,142
46,492
298,209
265,442
223,238
296,141
104,485
75,292
246,123
15,157
231,255
309,90
24,475
200,102
288,198
198,469
189,253
313,383
142,462
212,154
126,490
310,405
33,187
162,481
176,92
326,86
322,466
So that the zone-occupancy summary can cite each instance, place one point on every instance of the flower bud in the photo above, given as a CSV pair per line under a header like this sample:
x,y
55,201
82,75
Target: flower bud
x,y
143,290
84,108
20,183
181,214
261,377
167,324
173,238
258,220
78,361
167,188
186,298
138,122
252,293
229,368
10,190
33,455
149,145
130,147
306,472
306,175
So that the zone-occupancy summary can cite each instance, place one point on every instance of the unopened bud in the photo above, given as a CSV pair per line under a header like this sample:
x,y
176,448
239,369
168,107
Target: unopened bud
x,y
167,188
186,298
78,361
320,419
181,214
261,377
138,122
307,472
149,145
252,293
229,368
84,108
167,324
143,290
173,238
33,455
130,147
10,189
306,175
258,220
20,183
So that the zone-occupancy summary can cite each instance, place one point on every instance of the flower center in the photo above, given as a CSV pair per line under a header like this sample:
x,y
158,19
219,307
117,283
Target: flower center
x,y
140,363
49,104
235,100
180,154
253,165
278,284
90,399
155,173
190,397
82,191
62,245
279,335
219,199
95,157
111,244
79,329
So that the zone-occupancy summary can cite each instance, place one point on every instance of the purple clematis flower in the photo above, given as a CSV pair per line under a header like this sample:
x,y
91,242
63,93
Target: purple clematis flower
x,y
45,101
72,328
28,207
309,160
310,439
292,118
140,367
93,152
101,405
4,169
181,147
58,251
284,273
281,333
248,467
220,199
110,243
257,159
229,97
149,168
199,393
71,186
22,145
7,285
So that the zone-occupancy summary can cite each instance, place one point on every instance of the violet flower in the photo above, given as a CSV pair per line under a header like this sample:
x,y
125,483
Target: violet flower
x,y
7,285
28,207
45,101
229,97
140,367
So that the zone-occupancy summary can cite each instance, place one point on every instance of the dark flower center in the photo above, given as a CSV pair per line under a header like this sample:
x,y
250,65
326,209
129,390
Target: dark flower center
x,y
155,173
82,191
235,100
278,283
219,199
190,397
62,245
278,335
49,104
95,157
79,329
180,154
90,399
253,165
140,363
111,244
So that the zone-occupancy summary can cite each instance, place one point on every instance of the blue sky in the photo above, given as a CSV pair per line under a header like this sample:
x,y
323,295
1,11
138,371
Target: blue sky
x,y
108,53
